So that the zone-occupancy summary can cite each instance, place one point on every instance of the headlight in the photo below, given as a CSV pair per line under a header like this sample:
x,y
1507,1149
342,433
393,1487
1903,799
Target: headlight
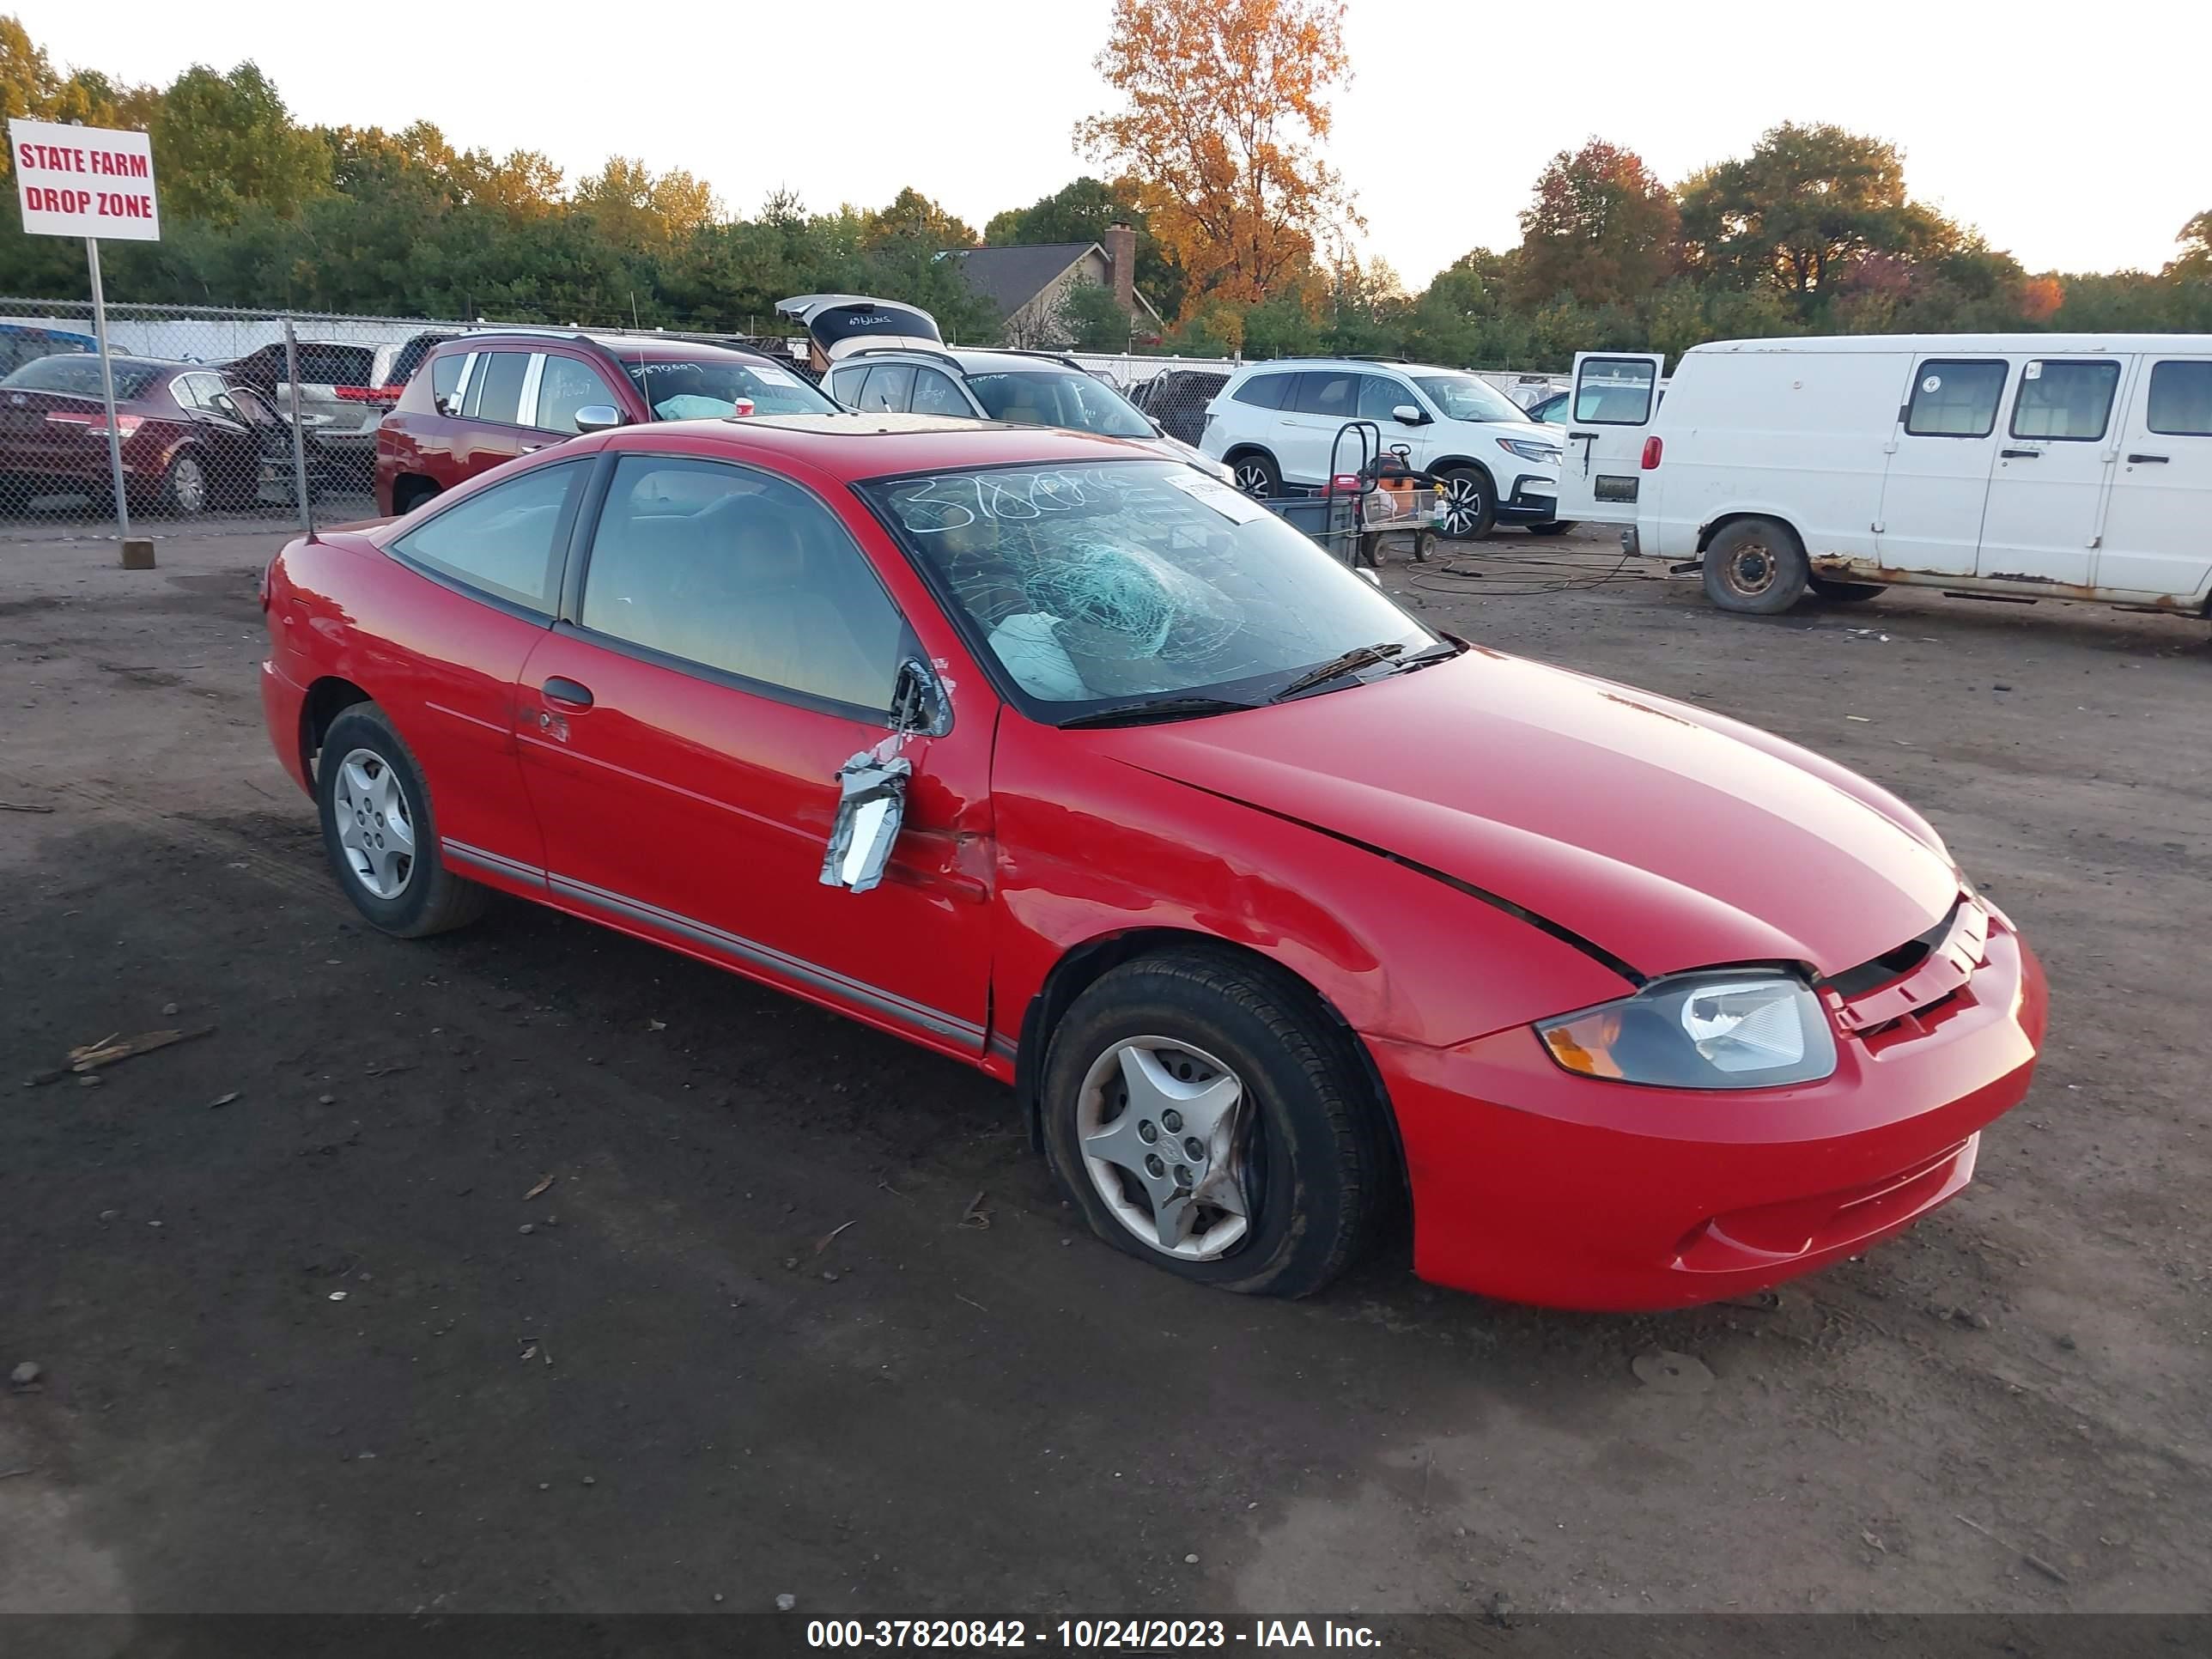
x,y
1717,1030
1530,450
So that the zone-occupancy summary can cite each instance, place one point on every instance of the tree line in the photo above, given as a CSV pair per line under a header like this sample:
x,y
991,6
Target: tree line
x,y
1245,237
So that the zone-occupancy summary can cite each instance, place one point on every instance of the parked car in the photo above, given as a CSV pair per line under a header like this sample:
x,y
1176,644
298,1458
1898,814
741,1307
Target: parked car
x,y
1275,424
1078,766
1027,388
26,342
837,324
191,439
1551,409
2020,466
341,394
481,399
1176,399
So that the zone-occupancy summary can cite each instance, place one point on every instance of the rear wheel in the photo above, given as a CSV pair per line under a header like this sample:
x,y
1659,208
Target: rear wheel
x,y
184,487
1470,504
379,835
1257,475
407,494
1205,1115
1755,566
1828,588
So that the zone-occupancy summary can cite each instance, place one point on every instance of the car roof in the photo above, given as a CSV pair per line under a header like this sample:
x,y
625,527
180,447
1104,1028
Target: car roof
x,y
977,360
851,447
636,348
1325,365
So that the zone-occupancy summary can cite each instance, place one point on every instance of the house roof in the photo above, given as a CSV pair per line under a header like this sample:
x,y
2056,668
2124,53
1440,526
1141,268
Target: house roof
x,y
1010,277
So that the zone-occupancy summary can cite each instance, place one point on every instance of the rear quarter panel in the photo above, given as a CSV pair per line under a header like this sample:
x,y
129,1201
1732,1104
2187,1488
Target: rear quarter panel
x,y
1801,436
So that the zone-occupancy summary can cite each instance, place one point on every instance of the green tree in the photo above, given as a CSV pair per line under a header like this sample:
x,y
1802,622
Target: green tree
x,y
224,143
1094,319
1083,211
1806,204
1601,227
913,218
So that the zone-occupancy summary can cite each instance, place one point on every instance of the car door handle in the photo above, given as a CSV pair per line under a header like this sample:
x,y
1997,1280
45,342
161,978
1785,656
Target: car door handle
x,y
531,449
567,693
2018,454
2139,460
1591,435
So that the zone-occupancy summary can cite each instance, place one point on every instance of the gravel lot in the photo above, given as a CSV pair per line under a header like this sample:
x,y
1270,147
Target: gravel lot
x,y
800,1314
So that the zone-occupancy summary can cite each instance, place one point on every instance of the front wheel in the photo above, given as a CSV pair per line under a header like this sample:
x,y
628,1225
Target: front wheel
x,y
1470,504
1257,477
1757,566
1205,1115
378,833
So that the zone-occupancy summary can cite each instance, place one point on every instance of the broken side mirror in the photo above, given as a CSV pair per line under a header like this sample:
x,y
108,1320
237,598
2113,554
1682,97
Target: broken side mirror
x,y
918,707
870,805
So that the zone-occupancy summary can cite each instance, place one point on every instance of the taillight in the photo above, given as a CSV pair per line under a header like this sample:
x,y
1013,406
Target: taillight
x,y
387,395
95,424
1653,449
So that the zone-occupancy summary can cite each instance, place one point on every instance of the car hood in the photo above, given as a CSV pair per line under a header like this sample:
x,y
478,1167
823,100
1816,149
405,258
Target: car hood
x,y
1640,826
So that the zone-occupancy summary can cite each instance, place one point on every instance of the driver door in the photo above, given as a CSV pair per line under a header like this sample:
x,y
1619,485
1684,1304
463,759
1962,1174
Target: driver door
x,y
1611,409
727,648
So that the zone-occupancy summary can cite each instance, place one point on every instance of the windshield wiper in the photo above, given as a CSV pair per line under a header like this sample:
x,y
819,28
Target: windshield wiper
x,y
1360,656
1435,653
1147,710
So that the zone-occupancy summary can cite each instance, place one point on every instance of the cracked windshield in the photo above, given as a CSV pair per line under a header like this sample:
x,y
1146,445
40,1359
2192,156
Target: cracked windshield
x,y
1137,580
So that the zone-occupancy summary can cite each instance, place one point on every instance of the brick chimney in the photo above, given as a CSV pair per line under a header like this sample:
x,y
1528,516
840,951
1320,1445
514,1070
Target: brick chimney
x,y
1121,266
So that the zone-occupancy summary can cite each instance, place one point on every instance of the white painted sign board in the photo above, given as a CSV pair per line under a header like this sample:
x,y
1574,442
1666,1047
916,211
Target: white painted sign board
x,y
84,181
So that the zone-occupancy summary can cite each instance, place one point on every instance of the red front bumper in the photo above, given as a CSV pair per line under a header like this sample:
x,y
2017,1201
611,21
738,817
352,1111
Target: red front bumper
x,y
1533,1185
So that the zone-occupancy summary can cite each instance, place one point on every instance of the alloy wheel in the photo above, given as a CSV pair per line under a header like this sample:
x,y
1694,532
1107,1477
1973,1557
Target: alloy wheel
x,y
187,485
376,828
1463,505
1167,1141
1252,478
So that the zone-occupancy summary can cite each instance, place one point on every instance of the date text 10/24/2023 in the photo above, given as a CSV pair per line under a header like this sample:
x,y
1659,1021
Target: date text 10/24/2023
x,y
1141,1635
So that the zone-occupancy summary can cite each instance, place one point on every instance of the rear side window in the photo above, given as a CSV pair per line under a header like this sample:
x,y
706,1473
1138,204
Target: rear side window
x,y
1334,396
334,365
2181,399
888,388
845,385
2072,402
1956,397
1615,390
1264,390
495,390
501,540
445,379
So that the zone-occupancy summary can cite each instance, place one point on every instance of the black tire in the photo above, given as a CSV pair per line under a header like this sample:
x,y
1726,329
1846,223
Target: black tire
x,y
1313,1148
1756,567
1828,587
409,494
187,487
1552,528
1470,504
1257,475
430,898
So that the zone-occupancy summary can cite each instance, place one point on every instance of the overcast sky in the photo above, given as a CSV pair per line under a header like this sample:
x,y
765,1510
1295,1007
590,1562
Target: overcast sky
x,y
2078,145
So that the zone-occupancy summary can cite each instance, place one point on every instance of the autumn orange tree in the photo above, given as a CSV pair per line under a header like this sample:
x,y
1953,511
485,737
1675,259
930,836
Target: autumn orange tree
x,y
1225,102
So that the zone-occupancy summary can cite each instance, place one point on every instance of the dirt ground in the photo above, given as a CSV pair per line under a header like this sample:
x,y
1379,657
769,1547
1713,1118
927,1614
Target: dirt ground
x,y
307,1344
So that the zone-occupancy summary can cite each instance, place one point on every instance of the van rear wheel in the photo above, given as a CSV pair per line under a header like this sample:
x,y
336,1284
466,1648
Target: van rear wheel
x,y
1757,566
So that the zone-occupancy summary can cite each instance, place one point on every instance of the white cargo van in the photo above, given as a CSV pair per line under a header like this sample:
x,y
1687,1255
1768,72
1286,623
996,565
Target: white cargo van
x,y
2028,465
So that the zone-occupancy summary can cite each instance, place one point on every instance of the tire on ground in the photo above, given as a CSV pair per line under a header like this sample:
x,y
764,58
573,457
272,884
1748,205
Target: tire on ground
x,y
1319,1146
434,900
1468,485
1257,475
1755,566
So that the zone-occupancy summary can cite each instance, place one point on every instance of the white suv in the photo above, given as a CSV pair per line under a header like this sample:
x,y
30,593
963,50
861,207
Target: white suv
x,y
1274,425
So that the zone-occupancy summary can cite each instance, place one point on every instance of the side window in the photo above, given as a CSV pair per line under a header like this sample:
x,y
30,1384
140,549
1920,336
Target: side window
x,y
1955,398
888,388
745,574
446,379
1264,391
845,385
1332,394
500,539
565,385
496,389
1379,395
186,389
2181,399
1614,391
2068,401
935,394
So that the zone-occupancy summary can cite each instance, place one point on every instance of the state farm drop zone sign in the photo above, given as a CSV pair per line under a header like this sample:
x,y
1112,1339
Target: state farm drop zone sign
x,y
84,181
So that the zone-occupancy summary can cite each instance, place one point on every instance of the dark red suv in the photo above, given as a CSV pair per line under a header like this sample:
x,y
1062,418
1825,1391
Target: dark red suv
x,y
485,399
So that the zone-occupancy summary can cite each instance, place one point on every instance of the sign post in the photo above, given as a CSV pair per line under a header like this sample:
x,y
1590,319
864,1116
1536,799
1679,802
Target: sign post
x,y
90,182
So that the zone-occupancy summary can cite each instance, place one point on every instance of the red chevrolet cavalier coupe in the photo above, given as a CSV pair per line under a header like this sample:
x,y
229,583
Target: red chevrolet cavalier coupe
x,y
1269,901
